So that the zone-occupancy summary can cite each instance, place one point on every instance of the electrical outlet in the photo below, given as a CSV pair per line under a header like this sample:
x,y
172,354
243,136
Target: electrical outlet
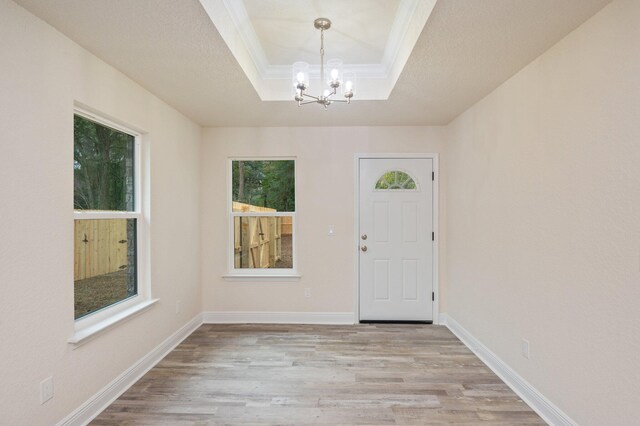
x,y
46,389
177,306
525,348
307,292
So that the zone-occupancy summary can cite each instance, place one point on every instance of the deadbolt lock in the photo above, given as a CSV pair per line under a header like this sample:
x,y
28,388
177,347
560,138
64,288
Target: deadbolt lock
x,y
363,248
364,236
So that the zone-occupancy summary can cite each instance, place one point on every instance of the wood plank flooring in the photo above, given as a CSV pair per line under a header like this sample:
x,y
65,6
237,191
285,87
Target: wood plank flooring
x,y
313,374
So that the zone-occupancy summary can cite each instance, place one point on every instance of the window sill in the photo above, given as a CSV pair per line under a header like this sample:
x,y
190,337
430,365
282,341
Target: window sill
x,y
83,335
263,277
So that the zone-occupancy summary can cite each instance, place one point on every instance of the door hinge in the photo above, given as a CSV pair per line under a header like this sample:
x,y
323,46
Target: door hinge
x,y
433,175
433,296
433,236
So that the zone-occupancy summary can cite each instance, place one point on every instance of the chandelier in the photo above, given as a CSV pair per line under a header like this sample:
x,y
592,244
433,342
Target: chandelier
x,y
334,81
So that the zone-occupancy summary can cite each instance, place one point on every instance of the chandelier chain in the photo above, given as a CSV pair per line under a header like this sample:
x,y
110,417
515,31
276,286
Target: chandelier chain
x,y
322,54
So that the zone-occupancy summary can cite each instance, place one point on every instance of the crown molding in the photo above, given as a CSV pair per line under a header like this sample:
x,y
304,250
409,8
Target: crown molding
x,y
272,81
240,18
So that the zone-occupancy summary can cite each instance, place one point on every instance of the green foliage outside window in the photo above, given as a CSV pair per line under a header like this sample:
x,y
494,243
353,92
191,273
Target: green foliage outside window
x,y
103,167
395,180
265,183
105,249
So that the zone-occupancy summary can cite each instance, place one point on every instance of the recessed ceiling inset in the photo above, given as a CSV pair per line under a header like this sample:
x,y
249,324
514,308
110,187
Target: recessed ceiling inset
x,y
373,37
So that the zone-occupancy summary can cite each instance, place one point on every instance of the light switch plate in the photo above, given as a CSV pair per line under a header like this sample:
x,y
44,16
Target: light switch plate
x,y
525,348
46,389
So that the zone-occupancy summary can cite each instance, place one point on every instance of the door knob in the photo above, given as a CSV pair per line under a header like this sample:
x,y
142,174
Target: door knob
x,y
363,248
364,236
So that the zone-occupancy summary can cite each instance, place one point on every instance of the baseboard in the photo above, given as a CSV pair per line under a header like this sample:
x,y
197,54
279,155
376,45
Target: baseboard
x,y
538,402
101,400
238,317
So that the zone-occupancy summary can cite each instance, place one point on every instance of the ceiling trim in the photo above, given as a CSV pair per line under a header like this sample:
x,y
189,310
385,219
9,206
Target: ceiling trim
x,y
399,28
272,82
239,16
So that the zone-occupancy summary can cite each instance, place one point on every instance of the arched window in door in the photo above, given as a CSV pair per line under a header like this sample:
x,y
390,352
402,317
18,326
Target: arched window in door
x,y
396,179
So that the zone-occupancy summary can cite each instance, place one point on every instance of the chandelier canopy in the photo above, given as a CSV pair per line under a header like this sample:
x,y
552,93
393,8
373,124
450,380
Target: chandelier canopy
x,y
336,78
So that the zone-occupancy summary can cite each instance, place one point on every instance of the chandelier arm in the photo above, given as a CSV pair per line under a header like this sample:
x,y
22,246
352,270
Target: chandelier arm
x,y
311,96
307,102
330,94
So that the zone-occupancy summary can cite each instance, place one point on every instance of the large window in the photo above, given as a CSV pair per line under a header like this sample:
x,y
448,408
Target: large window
x,y
106,215
263,206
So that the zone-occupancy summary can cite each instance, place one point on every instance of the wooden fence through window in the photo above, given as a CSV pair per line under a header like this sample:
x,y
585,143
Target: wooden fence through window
x,y
258,239
100,247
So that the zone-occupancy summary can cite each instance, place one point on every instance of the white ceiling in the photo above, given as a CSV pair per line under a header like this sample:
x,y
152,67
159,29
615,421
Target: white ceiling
x,y
359,32
374,41
466,49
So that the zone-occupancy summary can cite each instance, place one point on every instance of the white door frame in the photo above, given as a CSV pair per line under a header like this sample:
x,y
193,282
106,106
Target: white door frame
x,y
356,238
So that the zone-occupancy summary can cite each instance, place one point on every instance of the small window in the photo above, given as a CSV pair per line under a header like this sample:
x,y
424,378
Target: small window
x,y
263,216
106,216
396,179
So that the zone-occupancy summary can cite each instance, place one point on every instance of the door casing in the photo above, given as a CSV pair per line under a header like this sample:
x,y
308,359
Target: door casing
x,y
356,237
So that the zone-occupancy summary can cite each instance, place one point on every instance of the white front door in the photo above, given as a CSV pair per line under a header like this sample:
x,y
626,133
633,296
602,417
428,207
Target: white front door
x,y
396,247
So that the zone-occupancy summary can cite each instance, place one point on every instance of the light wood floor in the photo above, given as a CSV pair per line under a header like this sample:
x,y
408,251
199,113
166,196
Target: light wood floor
x,y
303,374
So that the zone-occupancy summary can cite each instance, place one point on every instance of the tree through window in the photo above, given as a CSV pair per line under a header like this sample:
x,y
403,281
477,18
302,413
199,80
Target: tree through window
x,y
396,179
106,219
263,214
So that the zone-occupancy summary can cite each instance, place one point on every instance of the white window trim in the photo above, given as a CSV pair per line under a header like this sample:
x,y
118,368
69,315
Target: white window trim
x,y
88,326
266,274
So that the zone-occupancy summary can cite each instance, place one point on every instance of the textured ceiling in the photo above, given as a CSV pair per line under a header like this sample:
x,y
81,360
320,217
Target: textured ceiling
x,y
173,49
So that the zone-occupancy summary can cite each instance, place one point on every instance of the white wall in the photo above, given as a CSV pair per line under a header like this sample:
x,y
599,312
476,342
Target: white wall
x,y
325,196
541,210
42,73
544,220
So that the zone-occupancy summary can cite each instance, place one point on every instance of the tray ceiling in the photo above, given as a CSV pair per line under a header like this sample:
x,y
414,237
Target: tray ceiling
x,y
286,34
466,49
374,38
